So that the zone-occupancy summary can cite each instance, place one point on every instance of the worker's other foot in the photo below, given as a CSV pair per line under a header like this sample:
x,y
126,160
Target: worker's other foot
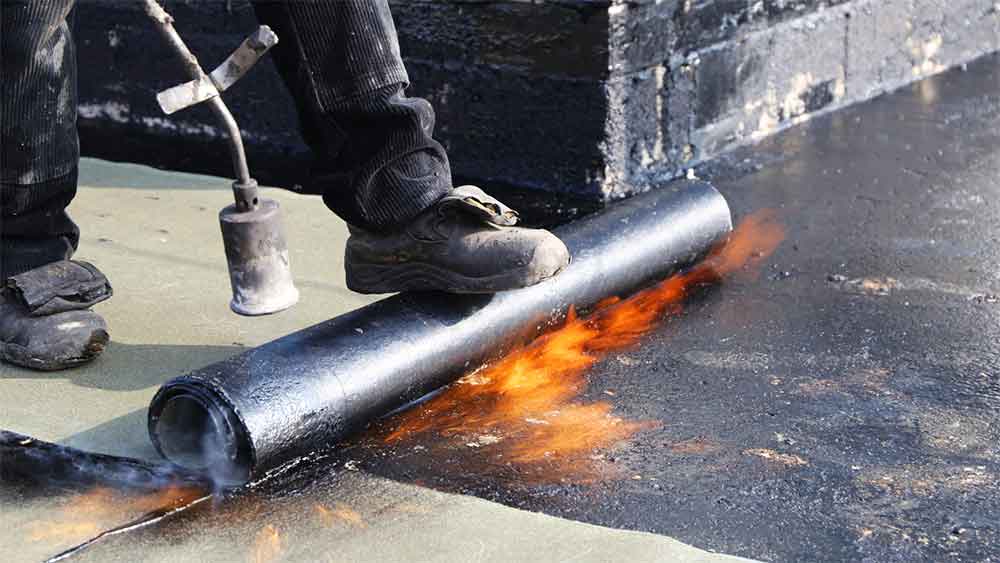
x,y
465,243
45,320
52,342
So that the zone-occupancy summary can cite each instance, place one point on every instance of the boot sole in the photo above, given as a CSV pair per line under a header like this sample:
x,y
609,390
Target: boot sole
x,y
417,276
20,356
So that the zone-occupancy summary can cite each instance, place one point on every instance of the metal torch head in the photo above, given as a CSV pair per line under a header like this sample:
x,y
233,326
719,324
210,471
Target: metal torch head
x,y
257,253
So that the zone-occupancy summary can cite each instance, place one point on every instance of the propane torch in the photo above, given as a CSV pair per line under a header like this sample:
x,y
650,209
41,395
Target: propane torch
x,y
252,230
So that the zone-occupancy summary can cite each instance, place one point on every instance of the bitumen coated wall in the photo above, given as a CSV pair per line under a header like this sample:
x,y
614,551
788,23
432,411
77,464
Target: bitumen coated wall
x,y
596,98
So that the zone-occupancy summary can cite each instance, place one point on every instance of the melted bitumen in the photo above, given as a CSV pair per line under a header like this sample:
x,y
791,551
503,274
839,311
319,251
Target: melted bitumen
x,y
844,404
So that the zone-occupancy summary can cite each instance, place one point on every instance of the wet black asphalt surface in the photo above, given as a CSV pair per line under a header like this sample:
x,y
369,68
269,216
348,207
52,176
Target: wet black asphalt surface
x,y
843,405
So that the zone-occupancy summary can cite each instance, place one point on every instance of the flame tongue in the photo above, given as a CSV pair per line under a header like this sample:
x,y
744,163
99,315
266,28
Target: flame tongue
x,y
87,515
525,404
268,545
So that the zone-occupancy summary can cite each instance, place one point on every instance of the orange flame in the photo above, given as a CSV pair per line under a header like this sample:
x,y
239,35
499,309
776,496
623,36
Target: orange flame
x,y
59,531
268,545
169,498
340,514
85,516
524,402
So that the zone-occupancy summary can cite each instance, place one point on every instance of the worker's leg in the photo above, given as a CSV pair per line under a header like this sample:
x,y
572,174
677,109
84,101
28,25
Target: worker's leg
x,y
44,321
38,132
379,166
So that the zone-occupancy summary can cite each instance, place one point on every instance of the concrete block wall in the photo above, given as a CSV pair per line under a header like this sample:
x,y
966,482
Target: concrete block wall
x,y
594,98
739,71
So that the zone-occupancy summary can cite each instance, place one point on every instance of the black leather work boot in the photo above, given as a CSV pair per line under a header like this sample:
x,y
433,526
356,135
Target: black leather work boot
x,y
45,320
464,243
52,342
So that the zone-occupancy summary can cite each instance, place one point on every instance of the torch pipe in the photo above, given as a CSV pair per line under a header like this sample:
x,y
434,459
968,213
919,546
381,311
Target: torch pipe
x,y
236,150
165,24
301,392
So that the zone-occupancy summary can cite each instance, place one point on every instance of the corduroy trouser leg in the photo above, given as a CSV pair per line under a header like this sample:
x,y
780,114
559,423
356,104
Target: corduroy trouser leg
x,y
377,164
38,143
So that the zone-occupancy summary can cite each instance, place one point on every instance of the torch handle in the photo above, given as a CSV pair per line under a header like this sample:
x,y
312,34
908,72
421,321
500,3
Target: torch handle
x,y
165,24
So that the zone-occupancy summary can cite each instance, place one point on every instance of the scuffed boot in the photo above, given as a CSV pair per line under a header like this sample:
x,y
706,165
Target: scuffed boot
x,y
45,320
465,243
51,342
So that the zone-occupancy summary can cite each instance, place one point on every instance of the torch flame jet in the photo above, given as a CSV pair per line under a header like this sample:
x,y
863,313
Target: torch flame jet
x,y
525,403
84,516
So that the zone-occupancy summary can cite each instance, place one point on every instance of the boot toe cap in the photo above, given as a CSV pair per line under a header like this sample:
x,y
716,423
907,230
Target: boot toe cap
x,y
59,341
549,258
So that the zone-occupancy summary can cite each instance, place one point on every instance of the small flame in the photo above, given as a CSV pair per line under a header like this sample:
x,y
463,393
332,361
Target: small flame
x,y
268,545
526,402
59,531
166,499
339,515
85,516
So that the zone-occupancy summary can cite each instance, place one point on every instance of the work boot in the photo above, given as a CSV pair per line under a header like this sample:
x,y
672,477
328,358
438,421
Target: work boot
x,y
465,243
45,320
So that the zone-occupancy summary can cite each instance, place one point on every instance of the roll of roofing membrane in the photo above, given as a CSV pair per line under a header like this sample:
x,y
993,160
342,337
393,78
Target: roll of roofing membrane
x,y
242,416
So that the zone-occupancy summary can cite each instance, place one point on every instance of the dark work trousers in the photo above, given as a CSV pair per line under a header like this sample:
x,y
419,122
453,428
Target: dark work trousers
x,y
377,163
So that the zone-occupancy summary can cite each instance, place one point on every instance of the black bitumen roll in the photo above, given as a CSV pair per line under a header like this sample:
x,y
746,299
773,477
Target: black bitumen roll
x,y
303,391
